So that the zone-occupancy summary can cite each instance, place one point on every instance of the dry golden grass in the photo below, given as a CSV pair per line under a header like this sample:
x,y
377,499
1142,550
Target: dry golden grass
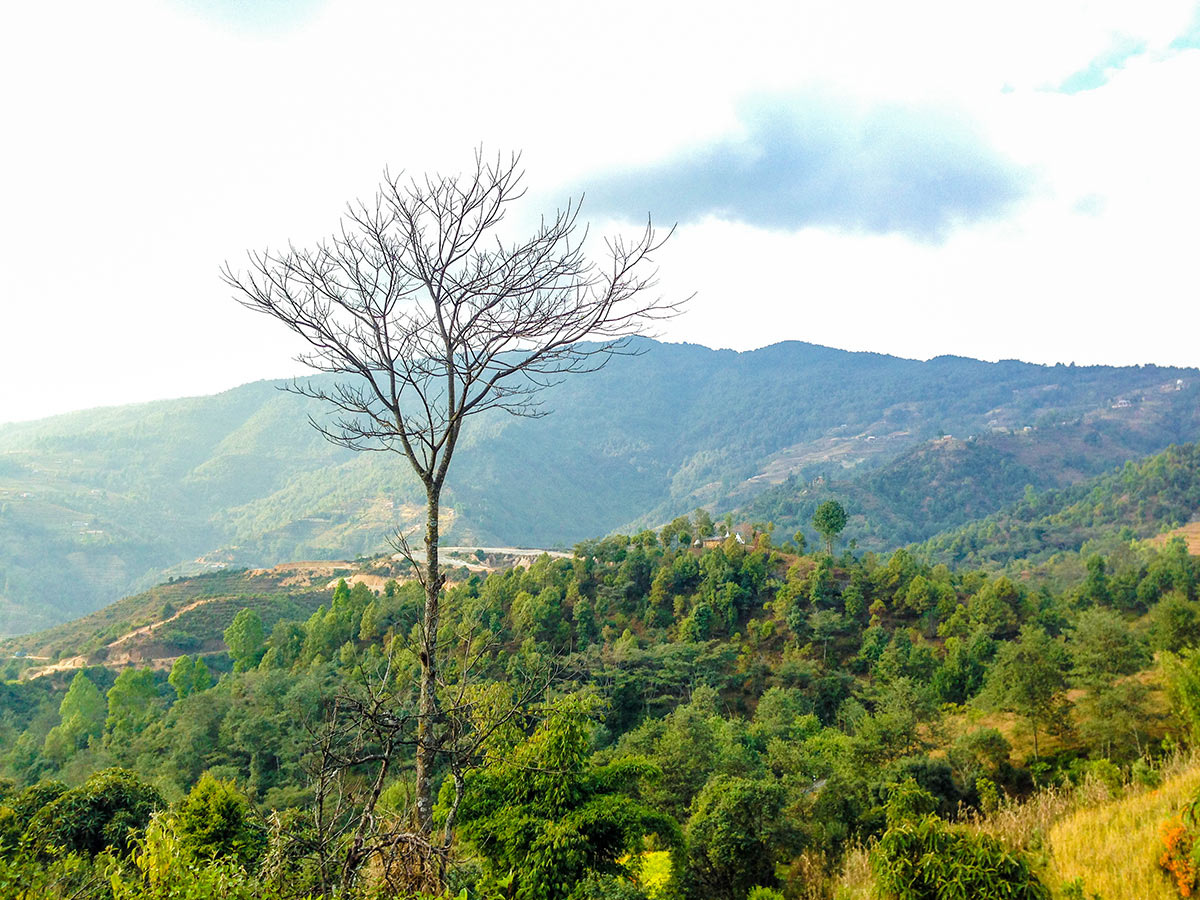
x,y
1077,832
1024,826
1114,847
1189,532
856,882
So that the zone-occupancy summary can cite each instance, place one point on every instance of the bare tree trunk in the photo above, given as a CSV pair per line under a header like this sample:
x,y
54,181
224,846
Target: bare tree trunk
x,y
427,724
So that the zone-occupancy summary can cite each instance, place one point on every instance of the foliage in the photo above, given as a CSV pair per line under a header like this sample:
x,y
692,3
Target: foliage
x,y
216,821
1029,678
829,520
1182,673
766,699
169,871
244,637
82,715
541,811
189,676
734,837
104,811
920,857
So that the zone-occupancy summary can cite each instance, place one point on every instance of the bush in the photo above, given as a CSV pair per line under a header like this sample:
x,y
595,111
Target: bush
x,y
167,871
216,821
102,812
921,857
1180,856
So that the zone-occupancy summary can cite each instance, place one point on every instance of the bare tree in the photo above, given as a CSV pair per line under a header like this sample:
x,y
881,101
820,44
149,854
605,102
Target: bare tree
x,y
433,317
354,753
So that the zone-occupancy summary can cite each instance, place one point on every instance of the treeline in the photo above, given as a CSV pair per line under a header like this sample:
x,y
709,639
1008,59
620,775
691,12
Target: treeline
x,y
735,715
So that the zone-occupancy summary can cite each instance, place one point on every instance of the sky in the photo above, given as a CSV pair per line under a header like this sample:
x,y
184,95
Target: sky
x,y
999,181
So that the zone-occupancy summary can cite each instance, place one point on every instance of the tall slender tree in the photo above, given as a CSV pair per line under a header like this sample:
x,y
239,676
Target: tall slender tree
x,y
829,520
430,316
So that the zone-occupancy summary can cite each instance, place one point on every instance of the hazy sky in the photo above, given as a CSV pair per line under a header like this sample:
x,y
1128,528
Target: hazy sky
x,y
999,181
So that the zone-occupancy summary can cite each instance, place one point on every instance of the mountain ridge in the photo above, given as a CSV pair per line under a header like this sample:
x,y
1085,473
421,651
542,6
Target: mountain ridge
x,y
97,504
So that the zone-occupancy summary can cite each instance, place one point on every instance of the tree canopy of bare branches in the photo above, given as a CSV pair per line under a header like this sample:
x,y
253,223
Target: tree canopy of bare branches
x,y
431,315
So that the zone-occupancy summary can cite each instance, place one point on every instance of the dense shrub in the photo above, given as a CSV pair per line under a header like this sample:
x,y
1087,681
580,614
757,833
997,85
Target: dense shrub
x,y
921,857
216,821
102,812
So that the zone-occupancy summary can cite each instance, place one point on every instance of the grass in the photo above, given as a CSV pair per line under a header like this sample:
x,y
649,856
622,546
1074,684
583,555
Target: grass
x,y
1111,845
1114,847
856,881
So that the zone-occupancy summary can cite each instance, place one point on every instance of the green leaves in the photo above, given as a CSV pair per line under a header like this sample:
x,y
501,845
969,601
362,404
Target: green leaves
x,y
829,520
216,821
82,713
920,857
102,812
245,637
543,811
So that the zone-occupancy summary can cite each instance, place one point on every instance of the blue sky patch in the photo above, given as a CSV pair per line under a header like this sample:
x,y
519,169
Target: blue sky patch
x,y
1100,70
261,16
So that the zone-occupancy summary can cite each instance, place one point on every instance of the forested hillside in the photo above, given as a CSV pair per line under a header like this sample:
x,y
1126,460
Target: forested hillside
x,y
97,504
728,722
954,480
1142,499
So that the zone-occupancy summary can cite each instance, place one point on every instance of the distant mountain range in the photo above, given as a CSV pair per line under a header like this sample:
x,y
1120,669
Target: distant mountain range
x,y
97,504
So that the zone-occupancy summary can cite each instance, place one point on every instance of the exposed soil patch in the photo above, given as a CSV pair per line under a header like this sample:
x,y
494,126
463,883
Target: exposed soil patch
x,y
1189,532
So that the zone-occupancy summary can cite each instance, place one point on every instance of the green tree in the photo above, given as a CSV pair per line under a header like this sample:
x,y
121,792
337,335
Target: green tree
x,y
285,645
829,520
81,717
1095,588
703,523
244,638
133,701
201,677
1103,648
1029,678
1175,623
735,836
800,541
29,802
183,676
1113,710
216,821
102,812
1182,673
678,530
541,814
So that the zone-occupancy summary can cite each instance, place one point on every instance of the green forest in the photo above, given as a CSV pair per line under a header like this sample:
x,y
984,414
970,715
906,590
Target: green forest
x,y
709,709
